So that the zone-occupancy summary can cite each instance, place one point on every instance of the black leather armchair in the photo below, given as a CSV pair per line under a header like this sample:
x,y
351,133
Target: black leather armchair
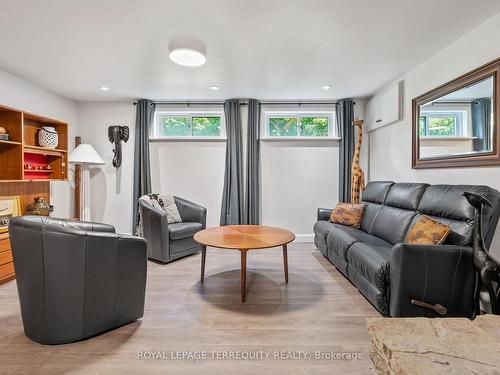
x,y
76,279
167,242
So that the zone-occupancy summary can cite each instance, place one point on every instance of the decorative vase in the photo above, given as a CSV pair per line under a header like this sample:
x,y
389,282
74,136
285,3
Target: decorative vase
x,y
40,207
48,137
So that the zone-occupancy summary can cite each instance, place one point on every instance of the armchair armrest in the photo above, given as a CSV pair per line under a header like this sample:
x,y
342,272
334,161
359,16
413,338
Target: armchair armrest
x,y
93,227
154,228
128,255
191,211
425,276
324,214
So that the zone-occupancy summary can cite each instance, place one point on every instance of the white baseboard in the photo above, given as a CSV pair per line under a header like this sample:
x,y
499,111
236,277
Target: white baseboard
x,y
304,237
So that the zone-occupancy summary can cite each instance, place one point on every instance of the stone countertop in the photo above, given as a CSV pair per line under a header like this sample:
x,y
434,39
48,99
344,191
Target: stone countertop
x,y
435,346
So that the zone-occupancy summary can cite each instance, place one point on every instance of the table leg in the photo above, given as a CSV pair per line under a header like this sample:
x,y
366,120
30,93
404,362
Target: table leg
x,y
203,259
285,261
243,280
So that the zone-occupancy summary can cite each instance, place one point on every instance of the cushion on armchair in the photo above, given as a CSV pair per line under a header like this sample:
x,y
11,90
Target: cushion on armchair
x,y
178,231
167,204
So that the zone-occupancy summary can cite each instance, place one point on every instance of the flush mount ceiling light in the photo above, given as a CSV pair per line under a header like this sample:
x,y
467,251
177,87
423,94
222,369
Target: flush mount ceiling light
x,y
214,87
187,57
326,87
103,88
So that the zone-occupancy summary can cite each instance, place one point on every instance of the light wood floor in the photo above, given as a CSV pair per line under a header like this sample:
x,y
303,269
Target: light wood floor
x,y
318,310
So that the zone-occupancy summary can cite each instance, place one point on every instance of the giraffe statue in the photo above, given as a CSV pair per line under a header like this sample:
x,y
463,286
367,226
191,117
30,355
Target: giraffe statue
x,y
357,175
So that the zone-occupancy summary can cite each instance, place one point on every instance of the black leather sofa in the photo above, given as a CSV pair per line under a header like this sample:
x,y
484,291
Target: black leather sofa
x,y
76,279
390,273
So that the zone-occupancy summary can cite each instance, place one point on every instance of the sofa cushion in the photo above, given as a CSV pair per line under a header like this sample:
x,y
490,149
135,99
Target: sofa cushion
x,y
376,192
405,195
379,298
372,262
340,239
369,216
392,224
448,201
178,231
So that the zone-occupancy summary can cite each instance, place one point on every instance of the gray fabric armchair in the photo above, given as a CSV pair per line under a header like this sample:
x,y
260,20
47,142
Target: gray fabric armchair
x,y
76,279
167,242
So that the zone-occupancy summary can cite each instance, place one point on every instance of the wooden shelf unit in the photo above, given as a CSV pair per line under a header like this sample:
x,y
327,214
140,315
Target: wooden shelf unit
x,y
27,191
6,263
22,148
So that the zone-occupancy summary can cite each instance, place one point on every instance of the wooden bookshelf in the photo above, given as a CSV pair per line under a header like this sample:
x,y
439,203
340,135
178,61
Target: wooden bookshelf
x,y
22,148
27,191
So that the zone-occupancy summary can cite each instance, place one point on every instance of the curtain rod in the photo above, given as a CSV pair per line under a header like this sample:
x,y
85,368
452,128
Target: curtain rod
x,y
456,102
242,103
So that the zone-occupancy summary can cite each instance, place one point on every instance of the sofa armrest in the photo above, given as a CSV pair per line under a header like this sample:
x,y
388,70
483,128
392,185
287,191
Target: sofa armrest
x,y
191,211
435,275
324,214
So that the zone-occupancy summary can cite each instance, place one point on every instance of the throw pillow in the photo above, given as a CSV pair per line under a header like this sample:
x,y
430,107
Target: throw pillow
x,y
426,231
349,214
167,202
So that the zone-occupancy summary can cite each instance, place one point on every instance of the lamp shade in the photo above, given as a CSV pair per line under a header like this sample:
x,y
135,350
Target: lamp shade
x,y
86,155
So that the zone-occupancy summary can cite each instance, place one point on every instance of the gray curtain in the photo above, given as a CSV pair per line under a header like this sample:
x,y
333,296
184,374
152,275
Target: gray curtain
x,y
252,201
142,171
481,124
345,117
232,211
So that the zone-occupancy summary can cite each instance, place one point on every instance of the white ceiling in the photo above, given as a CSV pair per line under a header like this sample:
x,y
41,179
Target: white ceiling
x,y
260,48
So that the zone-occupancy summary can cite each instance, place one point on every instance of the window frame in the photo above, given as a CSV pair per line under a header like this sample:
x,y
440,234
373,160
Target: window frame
x,y
460,123
332,130
155,132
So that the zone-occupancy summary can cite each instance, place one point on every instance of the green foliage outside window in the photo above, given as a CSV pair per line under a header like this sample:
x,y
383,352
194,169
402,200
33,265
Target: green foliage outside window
x,y
422,125
314,126
181,126
438,126
298,126
442,126
282,127
206,126
174,126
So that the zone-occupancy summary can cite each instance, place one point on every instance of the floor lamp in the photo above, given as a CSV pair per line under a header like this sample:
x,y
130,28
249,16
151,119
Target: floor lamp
x,y
84,155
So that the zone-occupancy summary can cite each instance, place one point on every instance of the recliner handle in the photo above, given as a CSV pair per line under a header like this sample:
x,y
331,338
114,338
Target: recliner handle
x,y
439,309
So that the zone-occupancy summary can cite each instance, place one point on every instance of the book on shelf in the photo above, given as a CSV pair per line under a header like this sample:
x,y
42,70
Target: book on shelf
x,y
4,137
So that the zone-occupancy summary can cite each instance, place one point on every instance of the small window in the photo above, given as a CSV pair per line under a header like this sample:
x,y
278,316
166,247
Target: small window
x,y
435,124
299,125
188,125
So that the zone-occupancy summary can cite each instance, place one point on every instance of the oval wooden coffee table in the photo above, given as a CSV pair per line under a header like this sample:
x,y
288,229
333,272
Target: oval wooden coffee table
x,y
244,238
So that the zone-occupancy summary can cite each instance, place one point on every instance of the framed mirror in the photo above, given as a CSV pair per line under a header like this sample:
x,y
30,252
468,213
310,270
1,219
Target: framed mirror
x,y
457,124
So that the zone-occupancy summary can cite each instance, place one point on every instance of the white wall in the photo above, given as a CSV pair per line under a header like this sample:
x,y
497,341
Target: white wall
x,y
110,189
297,178
390,146
191,170
195,171
25,96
